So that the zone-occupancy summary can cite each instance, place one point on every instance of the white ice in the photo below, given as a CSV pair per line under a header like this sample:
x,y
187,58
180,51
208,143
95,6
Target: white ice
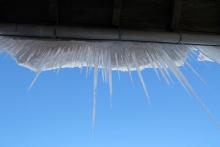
x,y
43,55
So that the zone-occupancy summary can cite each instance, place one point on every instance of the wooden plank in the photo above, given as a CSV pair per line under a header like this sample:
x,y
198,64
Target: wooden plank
x,y
54,13
149,14
201,16
176,15
117,12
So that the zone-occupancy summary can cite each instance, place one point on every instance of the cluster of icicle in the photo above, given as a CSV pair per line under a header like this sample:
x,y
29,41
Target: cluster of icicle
x,y
105,56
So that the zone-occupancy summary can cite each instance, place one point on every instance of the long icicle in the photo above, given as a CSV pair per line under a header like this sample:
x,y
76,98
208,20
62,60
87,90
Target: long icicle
x,y
189,88
96,62
141,78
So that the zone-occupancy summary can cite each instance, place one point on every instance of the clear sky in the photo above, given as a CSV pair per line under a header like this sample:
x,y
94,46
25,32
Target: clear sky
x,y
57,112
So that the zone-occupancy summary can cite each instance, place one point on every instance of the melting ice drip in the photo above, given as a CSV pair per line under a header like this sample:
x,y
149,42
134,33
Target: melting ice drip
x,y
106,56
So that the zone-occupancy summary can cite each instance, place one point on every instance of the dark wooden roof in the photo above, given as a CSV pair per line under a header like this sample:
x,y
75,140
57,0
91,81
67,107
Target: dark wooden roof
x,y
174,15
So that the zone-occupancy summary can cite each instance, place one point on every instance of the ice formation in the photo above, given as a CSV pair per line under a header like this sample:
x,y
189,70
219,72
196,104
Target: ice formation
x,y
42,55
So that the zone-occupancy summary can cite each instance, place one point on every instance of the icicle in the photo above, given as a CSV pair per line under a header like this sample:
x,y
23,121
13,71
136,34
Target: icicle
x,y
160,64
87,72
195,72
94,96
141,78
128,66
186,84
96,59
117,66
109,68
34,80
155,68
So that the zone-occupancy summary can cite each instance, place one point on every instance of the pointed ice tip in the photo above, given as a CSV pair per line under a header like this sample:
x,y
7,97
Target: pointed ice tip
x,y
34,81
205,108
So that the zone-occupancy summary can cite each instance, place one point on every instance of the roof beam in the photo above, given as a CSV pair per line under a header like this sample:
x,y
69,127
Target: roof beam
x,y
117,12
176,14
106,34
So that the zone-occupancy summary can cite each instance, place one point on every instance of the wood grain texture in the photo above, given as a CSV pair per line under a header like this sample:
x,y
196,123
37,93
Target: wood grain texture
x,y
201,15
146,13
189,15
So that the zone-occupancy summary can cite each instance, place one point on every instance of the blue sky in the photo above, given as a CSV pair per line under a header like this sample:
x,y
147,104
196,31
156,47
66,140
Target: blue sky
x,y
57,111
